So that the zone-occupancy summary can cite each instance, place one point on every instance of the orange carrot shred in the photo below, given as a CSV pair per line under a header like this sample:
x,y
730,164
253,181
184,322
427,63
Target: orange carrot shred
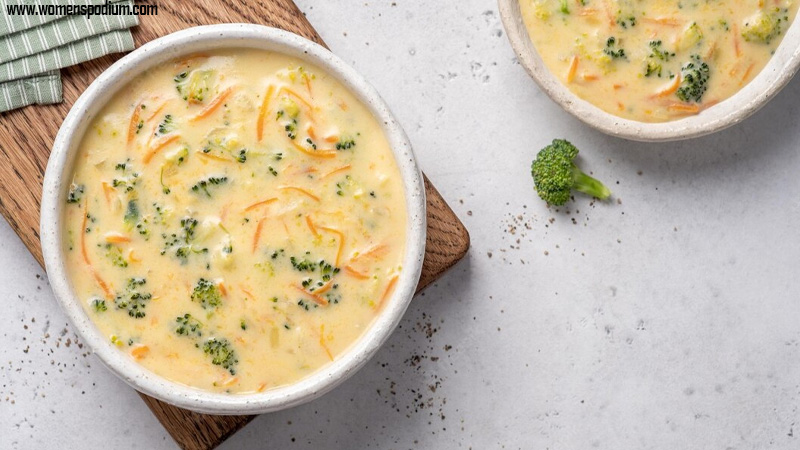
x,y
315,153
311,226
350,271
257,236
156,112
670,88
159,146
341,242
247,293
299,189
388,291
107,191
376,251
214,157
335,171
222,289
216,103
573,68
116,238
103,285
140,351
133,126
261,203
684,108
318,299
322,341
332,138
263,112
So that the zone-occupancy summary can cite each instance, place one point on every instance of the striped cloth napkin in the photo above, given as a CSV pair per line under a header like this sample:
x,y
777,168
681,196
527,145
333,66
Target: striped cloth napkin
x,y
34,47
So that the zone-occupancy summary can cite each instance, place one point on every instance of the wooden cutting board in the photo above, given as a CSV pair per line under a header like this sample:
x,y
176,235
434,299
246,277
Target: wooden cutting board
x,y
27,135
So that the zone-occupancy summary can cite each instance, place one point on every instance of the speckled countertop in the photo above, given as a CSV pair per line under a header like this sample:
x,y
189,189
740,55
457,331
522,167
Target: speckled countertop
x,y
666,319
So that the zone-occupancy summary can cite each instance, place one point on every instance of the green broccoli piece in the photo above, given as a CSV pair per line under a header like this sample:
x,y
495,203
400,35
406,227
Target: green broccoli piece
x,y
207,293
194,86
132,299
762,28
188,326
221,354
555,175
612,50
564,7
202,185
75,193
694,80
99,305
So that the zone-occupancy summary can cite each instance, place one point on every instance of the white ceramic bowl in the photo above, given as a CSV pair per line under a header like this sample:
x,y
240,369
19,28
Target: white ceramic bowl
x,y
780,69
57,180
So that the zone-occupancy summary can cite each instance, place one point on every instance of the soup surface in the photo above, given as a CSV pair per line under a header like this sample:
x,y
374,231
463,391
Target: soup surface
x,y
236,220
656,60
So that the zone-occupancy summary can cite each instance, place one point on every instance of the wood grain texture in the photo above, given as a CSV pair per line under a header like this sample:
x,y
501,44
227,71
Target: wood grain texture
x,y
27,135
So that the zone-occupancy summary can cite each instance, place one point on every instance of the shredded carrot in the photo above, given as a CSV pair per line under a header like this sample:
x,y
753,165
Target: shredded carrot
x,y
299,189
261,203
343,105
116,238
590,76
263,112
324,288
341,242
711,50
156,112
736,45
587,12
322,341
214,157
261,387
332,138
388,291
619,85
297,97
133,126
318,299
223,289
311,226
315,153
229,381
140,351
375,252
132,257
670,88
609,13
311,133
350,271
247,293
684,108
186,62
159,146
257,236
747,72
107,191
666,21
573,68
335,171
213,105
103,285
308,86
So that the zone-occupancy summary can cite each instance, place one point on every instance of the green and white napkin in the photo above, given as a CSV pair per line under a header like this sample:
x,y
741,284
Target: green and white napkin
x,y
34,47
44,89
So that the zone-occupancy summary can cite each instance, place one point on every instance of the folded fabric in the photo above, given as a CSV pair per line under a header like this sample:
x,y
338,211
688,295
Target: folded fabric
x,y
60,32
68,55
42,89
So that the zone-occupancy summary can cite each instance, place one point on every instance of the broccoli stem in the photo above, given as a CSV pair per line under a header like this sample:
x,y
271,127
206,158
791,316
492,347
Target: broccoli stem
x,y
589,185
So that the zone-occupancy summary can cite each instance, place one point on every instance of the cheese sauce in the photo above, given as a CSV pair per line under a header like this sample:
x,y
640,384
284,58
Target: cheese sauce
x,y
236,220
656,61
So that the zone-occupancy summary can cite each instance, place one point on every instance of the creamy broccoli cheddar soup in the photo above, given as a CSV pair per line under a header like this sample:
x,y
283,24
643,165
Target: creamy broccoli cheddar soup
x,y
656,60
235,221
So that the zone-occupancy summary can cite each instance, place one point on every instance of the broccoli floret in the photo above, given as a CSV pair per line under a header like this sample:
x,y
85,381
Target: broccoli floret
x,y
203,185
657,53
188,326
612,50
99,305
207,293
221,354
194,86
75,193
564,7
763,28
690,37
555,175
694,80
132,299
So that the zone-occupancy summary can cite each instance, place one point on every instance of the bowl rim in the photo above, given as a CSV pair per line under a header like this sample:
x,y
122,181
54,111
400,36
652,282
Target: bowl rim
x,y
780,69
56,182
